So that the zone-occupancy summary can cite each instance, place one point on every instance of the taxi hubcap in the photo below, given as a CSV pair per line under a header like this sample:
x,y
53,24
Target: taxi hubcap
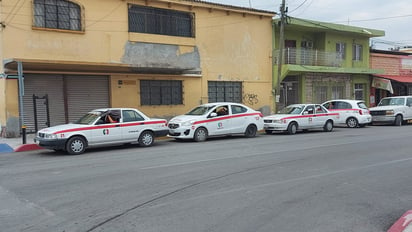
x,y
147,139
77,146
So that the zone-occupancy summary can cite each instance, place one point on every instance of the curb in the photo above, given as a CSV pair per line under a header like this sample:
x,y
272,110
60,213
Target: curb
x,y
5,148
403,224
27,147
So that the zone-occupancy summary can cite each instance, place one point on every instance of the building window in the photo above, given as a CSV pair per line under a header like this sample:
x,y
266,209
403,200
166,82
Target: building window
x,y
57,14
340,51
143,19
357,52
359,91
161,92
225,91
321,94
337,92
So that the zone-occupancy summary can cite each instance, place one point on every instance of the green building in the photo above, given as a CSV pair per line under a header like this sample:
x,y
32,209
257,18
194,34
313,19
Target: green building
x,y
321,61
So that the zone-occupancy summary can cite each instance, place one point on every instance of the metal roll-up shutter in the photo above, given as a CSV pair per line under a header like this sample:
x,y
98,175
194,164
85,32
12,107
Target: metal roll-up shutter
x,y
40,85
85,93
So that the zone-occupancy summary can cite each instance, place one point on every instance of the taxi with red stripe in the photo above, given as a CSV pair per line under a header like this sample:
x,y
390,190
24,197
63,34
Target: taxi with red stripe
x,y
300,117
216,119
109,126
353,113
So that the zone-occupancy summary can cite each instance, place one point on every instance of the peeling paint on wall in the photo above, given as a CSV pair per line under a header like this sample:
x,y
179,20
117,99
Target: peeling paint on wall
x,y
149,55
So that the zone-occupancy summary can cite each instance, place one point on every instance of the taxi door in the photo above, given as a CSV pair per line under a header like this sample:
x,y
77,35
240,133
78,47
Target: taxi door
x,y
106,132
309,120
320,116
221,123
133,125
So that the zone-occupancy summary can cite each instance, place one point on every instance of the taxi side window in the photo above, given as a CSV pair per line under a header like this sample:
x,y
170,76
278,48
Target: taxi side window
x,y
310,109
131,116
319,109
343,105
222,110
238,109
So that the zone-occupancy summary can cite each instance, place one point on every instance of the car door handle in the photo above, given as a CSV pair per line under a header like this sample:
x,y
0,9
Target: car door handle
x,y
117,125
142,123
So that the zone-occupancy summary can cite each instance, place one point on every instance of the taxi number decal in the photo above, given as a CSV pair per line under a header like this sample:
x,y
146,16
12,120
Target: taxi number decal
x,y
105,131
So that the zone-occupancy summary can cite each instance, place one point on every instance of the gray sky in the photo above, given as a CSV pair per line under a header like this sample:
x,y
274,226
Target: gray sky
x,y
392,16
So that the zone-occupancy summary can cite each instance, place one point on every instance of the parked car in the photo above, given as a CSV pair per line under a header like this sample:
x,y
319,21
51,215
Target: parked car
x,y
353,113
103,127
216,119
393,110
300,117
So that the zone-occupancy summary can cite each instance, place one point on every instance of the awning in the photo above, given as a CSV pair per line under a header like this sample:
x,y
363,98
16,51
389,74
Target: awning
x,y
381,83
398,78
74,67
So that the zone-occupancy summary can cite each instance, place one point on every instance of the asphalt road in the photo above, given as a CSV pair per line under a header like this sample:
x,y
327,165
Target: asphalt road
x,y
348,180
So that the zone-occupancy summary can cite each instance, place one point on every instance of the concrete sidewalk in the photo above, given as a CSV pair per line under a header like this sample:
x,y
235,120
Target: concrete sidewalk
x,y
8,145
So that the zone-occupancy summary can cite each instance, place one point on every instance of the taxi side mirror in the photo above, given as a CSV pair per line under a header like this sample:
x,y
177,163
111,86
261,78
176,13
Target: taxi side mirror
x,y
212,115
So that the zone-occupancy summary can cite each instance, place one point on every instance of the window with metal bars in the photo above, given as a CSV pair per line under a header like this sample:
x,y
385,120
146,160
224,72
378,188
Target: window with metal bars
x,y
161,92
150,20
225,91
57,14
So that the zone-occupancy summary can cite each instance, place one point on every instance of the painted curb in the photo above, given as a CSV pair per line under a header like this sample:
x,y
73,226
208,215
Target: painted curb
x,y
402,224
5,148
27,147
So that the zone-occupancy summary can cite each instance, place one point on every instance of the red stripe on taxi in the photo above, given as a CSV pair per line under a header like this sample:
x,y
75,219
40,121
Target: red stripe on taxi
x,y
309,116
228,117
113,125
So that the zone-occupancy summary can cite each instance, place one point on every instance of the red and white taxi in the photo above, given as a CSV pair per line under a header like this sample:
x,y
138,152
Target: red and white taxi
x,y
353,113
216,119
300,117
103,127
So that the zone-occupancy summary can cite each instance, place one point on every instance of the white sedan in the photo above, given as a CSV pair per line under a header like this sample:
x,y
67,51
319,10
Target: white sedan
x,y
100,127
300,117
216,119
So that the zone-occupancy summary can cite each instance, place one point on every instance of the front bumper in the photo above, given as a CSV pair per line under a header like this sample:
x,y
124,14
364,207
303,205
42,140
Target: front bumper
x,y
383,119
275,127
55,144
181,133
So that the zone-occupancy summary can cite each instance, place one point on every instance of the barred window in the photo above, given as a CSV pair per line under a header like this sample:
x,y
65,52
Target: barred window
x,y
143,19
357,51
225,91
57,14
161,92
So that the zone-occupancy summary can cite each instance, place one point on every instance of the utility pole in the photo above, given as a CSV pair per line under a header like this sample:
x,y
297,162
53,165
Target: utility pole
x,y
281,53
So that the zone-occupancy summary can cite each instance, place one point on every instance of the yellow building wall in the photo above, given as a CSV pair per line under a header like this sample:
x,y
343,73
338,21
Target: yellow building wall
x,y
233,46
2,102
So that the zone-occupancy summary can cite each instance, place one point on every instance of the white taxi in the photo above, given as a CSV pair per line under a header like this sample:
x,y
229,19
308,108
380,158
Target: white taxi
x,y
216,119
353,113
300,117
100,127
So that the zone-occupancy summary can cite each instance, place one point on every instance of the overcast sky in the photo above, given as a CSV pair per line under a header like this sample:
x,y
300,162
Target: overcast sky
x,y
392,16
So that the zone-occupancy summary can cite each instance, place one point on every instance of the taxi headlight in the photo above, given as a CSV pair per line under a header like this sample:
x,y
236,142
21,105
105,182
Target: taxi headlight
x,y
277,121
188,123
389,112
50,136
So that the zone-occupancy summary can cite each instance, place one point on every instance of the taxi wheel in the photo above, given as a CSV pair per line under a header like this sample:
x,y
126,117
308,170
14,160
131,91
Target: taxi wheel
x,y
328,127
250,131
146,139
352,122
292,128
200,134
76,145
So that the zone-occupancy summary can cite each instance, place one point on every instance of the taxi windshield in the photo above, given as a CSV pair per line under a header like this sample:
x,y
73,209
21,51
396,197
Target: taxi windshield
x,y
88,118
392,101
200,110
291,110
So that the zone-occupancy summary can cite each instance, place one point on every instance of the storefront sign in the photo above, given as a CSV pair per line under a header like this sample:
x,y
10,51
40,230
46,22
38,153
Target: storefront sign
x,y
381,83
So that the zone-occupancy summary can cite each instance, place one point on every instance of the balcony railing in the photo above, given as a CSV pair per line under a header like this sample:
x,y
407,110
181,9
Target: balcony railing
x,y
311,57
